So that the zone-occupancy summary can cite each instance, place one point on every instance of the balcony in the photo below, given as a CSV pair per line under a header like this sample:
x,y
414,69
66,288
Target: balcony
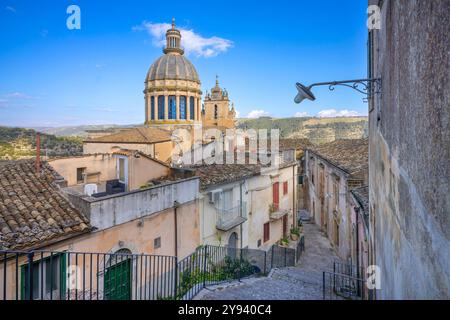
x,y
278,211
229,218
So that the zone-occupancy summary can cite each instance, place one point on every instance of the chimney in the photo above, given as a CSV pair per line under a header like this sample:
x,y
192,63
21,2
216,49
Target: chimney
x,y
38,153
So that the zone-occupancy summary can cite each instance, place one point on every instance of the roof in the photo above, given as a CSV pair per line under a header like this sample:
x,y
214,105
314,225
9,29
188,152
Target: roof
x,y
362,196
216,174
172,66
135,135
351,155
33,211
294,143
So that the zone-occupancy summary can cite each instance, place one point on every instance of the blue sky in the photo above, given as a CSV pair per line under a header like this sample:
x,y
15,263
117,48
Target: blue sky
x,y
53,76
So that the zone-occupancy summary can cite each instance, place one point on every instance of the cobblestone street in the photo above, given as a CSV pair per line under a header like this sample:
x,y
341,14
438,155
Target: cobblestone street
x,y
303,282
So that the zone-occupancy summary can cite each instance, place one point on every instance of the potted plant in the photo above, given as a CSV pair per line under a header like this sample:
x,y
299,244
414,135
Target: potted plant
x,y
271,208
295,233
284,242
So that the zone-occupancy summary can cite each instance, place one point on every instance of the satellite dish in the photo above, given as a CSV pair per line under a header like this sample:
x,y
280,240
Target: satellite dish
x,y
303,93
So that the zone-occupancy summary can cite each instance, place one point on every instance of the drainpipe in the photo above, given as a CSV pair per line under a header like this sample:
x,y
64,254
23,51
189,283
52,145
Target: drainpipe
x,y
175,207
357,241
294,185
240,210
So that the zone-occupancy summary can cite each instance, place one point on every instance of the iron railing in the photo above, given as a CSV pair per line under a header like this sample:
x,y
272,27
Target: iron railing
x,y
340,286
52,275
228,218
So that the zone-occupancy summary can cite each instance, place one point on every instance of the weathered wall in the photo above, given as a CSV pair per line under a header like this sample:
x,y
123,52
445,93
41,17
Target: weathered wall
x,y
409,150
105,164
332,212
97,147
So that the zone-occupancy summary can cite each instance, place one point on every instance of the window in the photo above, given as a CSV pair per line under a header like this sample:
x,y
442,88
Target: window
x,y
48,278
183,107
276,195
157,243
152,108
161,105
266,232
122,169
191,107
285,188
336,194
80,175
172,107
216,115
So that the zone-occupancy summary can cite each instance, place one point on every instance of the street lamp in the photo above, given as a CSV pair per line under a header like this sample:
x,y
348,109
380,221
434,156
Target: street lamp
x,y
364,86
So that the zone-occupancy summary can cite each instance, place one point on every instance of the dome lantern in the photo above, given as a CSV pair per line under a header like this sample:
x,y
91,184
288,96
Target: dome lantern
x,y
173,40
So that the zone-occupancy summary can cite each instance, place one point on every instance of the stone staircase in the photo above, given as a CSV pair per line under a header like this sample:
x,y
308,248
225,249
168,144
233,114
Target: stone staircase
x,y
302,282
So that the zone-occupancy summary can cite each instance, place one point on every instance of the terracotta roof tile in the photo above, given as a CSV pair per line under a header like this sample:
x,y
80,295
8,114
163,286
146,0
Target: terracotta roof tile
x,y
32,208
352,155
135,135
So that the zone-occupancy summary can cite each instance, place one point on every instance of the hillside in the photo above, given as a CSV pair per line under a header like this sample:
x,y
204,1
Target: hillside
x,y
317,130
19,143
76,131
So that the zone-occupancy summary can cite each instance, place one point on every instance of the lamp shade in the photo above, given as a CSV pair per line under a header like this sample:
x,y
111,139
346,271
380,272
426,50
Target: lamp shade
x,y
303,93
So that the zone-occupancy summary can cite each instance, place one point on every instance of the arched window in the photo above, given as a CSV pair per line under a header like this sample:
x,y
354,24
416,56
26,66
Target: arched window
x,y
183,107
215,112
191,108
161,107
152,108
172,107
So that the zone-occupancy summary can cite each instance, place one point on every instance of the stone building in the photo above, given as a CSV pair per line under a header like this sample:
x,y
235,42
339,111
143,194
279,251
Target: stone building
x,y
332,170
409,149
154,142
247,205
153,212
216,111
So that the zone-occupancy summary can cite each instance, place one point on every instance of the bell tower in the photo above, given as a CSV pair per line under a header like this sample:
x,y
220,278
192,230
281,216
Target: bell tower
x,y
217,111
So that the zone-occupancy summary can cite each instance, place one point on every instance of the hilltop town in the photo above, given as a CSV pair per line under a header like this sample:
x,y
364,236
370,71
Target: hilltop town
x,y
342,208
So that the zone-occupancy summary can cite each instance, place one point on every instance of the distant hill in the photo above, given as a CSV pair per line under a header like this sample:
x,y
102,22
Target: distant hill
x,y
19,143
317,130
76,131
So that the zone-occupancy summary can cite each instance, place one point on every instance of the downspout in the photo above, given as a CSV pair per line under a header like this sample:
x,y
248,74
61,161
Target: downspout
x,y
175,206
294,185
240,209
357,242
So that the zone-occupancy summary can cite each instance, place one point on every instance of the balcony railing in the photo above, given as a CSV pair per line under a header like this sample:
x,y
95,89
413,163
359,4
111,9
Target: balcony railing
x,y
231,217
277,211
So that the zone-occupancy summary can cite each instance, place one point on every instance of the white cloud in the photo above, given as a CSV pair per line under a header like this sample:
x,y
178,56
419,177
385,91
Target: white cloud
x,y
301,114
18,95
11,9
332,113
192,42
257,113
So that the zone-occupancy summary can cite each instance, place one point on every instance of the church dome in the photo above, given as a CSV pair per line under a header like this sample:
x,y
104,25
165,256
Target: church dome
x,y
172,66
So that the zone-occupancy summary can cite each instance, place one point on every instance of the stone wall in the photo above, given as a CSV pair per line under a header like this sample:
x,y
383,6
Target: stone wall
x,y
409,150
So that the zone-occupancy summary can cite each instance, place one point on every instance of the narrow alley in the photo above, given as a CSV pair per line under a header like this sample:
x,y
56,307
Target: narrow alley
x,y
303,282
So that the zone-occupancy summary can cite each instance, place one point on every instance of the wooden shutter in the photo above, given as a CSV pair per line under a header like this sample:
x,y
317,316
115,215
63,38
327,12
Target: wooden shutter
x,y
266,232
276,195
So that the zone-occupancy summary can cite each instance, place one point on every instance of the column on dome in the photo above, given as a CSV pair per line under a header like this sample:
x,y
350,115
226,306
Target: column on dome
x,y
188,107
166,107
147,110
177,108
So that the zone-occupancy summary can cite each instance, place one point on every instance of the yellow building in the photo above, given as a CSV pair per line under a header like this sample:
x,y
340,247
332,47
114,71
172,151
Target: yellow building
x,y
216,111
